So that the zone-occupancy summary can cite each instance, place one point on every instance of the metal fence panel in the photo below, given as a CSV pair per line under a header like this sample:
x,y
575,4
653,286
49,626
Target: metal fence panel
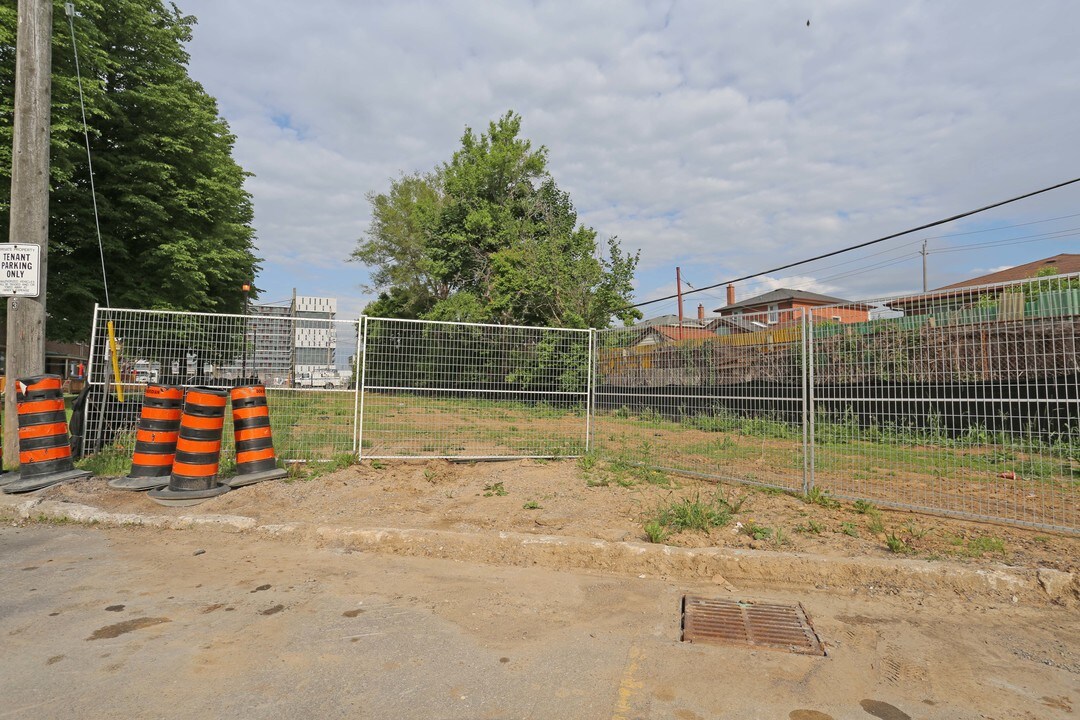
x,y
726,402
217,350
963,402
459,390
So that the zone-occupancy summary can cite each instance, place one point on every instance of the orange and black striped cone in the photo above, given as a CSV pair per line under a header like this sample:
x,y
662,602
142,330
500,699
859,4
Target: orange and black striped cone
x,y
44,446
155,439
255,460
198,450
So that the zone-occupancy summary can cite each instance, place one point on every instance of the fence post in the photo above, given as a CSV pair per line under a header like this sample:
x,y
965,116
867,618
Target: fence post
x,y
358,400
808,403
589,391
104,389
86,380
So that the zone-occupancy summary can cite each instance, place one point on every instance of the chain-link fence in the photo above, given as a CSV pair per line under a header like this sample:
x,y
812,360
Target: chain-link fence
x,y
459,390
305,363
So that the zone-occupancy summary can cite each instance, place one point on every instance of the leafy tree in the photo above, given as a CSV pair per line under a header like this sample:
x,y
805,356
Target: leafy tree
x,y
490,237
175,218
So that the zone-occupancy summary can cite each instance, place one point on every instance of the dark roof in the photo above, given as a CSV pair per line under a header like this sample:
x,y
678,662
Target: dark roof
x,y
1064,263
738,323
683,333
666,321
782,294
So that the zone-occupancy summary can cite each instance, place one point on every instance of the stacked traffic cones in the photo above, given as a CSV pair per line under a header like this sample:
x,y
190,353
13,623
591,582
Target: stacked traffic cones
x,y
44,445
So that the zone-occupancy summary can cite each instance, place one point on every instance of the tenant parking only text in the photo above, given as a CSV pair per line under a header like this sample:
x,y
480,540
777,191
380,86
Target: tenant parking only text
x,y
20,269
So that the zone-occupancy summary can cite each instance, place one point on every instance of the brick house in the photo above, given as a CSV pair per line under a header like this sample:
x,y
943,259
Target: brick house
x,y
784,305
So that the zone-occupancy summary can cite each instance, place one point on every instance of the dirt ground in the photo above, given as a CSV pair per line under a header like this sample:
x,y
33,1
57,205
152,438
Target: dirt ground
x,y
579,499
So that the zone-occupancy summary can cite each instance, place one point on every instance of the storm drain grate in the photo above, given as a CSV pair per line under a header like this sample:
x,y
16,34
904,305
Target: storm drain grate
x,y
750,624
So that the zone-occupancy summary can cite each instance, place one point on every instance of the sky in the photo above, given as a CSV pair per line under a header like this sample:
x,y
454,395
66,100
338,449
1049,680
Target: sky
x,y
724,138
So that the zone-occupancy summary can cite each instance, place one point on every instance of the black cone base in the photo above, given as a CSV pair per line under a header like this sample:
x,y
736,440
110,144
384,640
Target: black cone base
x,y
185,498
256,477
138,483
17,484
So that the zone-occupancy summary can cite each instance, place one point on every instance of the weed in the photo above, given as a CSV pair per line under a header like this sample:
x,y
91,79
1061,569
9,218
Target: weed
x,y
696,514
531,505
981,545
896,544
875,525
849,529
588,461
1041,539
812,526
377,464
112,461
656,531
495,489
758,532
780,537
431,475
597,481
864,507
916,532
817,496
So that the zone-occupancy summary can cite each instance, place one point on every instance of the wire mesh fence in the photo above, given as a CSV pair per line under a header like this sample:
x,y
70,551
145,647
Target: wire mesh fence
x,y
726,402
457,390
963,402
310,392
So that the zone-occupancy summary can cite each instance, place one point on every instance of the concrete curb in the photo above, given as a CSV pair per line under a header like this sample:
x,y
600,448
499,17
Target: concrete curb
x,y
723,566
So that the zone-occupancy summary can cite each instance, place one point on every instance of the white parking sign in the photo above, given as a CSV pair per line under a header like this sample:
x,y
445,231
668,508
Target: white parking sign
x,y
20,268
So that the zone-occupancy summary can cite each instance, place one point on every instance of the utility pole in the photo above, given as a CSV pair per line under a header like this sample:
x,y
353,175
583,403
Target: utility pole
x,y
29,199
924,266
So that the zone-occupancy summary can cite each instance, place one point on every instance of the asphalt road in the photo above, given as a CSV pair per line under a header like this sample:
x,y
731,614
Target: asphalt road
x,y
136,623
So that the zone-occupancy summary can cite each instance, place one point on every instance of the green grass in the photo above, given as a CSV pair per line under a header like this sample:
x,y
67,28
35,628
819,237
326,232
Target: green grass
x,y
495,489
689,513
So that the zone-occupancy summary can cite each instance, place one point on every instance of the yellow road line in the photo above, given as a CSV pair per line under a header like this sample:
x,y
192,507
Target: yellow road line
x,y
629,686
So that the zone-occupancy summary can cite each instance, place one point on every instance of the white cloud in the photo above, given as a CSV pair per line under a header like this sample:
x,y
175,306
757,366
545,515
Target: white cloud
x,y
727,138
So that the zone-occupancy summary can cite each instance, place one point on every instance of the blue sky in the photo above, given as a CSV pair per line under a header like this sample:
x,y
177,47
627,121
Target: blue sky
x,y
724,138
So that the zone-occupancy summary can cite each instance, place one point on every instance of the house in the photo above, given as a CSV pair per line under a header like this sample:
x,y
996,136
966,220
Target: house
x,y
966,293
671,335
785,305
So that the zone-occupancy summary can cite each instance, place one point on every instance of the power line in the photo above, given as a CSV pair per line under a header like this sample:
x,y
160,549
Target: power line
x,y
867,243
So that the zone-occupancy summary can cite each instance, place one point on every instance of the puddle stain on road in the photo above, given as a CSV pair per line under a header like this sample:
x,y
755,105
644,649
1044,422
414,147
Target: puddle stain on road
x,y
808,715
111,631
883,710
114,608
273,610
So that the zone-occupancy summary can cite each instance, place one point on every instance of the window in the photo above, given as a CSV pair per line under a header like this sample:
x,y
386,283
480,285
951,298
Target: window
x,y
836,318
774,313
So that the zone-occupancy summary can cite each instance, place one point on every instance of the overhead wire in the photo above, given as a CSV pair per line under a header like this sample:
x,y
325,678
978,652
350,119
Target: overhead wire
x,y
869,242
69,9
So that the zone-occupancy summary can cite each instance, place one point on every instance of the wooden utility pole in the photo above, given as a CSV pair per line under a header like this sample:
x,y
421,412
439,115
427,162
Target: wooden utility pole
x,y
29,200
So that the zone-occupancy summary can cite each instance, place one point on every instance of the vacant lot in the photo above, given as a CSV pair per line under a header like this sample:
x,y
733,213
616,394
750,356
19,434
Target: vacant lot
x,y
608,500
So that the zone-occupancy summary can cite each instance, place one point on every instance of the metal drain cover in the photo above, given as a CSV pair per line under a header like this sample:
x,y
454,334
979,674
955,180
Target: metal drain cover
x,y
749,624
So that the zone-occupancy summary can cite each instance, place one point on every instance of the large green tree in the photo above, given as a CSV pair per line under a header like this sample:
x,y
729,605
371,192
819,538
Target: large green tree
x,y
175,218
490,237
